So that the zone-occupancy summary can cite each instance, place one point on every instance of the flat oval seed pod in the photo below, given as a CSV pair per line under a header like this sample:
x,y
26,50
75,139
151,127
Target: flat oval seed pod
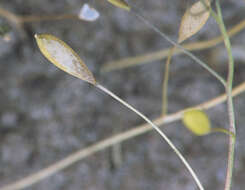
x,y
197,122
62,56
120,3
193,20
88,13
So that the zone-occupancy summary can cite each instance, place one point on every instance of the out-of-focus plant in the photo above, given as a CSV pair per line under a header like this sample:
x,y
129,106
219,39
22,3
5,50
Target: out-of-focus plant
x,y
193,20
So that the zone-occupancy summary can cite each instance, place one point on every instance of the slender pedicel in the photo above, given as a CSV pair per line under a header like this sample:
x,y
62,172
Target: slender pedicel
x,y
63,56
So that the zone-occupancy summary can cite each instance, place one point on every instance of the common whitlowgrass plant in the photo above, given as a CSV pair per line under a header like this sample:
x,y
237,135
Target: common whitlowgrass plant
x,y
63,56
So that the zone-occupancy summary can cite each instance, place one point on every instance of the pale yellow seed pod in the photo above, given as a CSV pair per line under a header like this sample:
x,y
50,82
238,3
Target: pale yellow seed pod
x,y
63,56
197,122
193,20
120,3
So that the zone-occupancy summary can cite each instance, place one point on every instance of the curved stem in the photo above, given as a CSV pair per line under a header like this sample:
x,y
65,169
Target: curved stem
x,y
9,16
108,142
157,129
221,130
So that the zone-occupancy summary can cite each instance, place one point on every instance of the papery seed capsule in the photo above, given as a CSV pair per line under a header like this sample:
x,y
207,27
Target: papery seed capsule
x,y
62,56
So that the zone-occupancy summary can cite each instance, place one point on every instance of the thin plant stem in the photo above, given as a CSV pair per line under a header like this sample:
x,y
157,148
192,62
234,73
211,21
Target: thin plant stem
x,y
154,28
108,142
165,88
221,130
9,16
40,18
165,83
14,20
231,151
115,139
193,174
160,54
19,19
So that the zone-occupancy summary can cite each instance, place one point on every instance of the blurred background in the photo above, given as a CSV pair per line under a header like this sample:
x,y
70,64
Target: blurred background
x,y
46,114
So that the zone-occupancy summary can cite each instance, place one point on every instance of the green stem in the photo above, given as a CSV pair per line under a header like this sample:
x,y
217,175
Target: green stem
x,y
231,153
221,130
137,13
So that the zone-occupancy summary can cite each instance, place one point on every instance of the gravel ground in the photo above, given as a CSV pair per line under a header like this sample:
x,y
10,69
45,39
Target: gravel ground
x,y
46,114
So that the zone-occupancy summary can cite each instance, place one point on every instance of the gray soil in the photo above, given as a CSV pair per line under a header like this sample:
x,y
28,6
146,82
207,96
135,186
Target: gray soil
x,y
46,114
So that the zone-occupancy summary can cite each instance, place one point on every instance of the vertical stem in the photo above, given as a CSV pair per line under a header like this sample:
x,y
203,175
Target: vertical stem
x,y
232,140
157,129
165,88
165,83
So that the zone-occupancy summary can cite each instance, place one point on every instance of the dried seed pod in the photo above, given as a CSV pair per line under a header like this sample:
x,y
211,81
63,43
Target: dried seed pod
x,y
197,122
193,20
120,3
62,56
